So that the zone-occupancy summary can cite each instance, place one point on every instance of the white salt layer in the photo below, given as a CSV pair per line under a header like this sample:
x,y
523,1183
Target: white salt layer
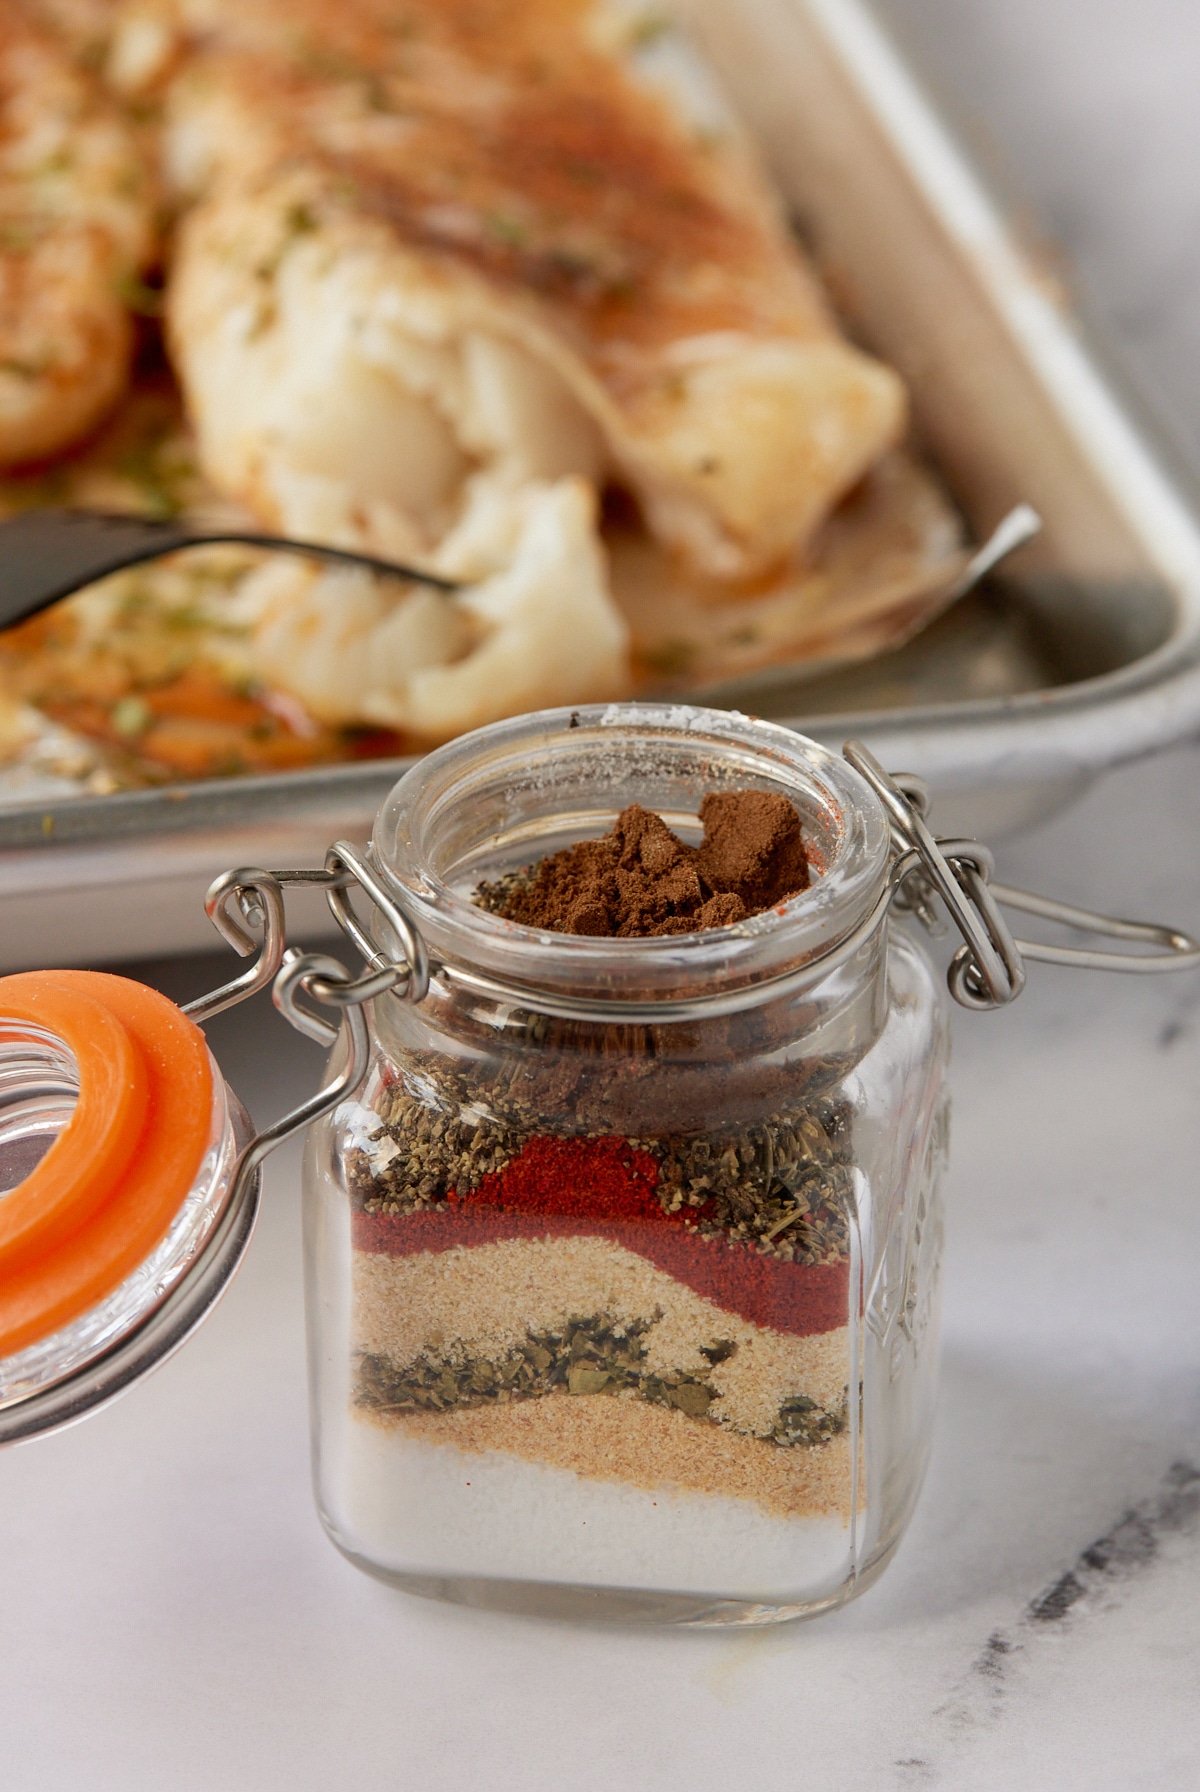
x,y
414,1507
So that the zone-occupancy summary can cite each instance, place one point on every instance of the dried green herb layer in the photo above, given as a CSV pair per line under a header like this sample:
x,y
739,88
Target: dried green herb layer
x,y
592,1355
782,1184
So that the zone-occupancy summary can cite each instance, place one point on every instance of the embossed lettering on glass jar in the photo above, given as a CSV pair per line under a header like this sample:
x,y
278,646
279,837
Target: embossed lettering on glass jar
x,y
624,1257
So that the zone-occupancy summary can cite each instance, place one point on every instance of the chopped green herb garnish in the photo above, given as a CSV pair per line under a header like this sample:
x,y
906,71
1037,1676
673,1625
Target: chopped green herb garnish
x,y
507,229
379,98
131,716
139,296
134,604
183,618
300,219
649,29
148,467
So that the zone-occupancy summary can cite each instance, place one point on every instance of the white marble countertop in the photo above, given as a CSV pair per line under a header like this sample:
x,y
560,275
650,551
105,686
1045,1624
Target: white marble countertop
x,y
171,1615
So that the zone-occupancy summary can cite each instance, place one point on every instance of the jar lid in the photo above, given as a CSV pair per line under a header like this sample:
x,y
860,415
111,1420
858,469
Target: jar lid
x,y
122,1215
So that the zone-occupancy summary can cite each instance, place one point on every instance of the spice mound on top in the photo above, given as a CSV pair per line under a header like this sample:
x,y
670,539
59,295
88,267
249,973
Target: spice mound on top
x,y
641,879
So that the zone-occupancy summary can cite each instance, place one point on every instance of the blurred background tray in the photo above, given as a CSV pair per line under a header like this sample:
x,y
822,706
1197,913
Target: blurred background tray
x,y
1085,654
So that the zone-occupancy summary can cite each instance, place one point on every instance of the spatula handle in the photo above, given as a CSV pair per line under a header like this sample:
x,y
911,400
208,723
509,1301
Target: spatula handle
x,y
47,554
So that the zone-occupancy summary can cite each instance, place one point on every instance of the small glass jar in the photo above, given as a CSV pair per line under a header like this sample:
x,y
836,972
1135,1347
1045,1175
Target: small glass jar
x,y
623,1259
622,1255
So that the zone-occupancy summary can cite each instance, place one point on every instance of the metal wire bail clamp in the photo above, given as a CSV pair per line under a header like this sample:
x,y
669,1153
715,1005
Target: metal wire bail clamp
x,y
928,872
988,969
246,906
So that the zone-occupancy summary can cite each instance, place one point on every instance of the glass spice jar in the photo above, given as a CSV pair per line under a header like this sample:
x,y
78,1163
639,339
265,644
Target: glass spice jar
x,y
623,1260
622,1255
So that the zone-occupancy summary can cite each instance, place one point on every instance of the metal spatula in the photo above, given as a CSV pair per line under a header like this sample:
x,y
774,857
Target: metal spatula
x,y
47,554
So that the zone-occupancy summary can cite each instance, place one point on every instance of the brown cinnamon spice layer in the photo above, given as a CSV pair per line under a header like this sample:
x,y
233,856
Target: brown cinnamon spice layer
x,y
641,880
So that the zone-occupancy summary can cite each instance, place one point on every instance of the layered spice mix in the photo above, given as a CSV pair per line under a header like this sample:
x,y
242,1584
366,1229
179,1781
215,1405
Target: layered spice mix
x,y
580,1252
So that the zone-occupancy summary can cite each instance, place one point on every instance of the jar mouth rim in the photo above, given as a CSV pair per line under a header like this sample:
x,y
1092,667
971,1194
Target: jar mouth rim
x,y
809,925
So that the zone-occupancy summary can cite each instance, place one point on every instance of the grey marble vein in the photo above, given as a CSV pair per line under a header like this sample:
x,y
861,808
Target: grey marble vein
x,y
1144,1538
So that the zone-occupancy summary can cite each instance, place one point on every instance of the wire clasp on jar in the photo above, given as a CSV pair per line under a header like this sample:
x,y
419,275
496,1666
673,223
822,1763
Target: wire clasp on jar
x,y
988,969
246,906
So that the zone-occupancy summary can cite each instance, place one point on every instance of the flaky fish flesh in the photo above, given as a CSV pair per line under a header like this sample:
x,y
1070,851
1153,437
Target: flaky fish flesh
x,y
466,237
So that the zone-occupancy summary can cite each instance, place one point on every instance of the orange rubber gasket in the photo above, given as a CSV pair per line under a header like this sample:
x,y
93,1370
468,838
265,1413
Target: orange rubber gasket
x,y
109,1187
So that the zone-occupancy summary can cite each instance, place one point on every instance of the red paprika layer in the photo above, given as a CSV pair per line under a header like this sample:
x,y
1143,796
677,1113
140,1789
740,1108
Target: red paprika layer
x,y
574,1188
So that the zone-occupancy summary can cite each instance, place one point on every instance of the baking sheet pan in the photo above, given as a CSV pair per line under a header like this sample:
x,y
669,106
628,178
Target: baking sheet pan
x,y
1084,655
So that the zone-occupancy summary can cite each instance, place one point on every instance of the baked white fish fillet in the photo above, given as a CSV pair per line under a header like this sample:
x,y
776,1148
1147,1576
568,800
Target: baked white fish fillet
x,y
466,238
451,268
534,625
76,222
